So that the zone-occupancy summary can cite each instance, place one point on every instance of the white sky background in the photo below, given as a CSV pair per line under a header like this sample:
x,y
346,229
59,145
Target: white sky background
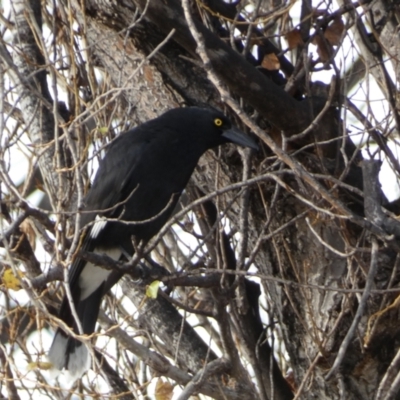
x,y
19,165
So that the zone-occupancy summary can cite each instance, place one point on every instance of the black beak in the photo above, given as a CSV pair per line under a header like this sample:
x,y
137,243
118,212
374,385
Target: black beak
x,y
234,135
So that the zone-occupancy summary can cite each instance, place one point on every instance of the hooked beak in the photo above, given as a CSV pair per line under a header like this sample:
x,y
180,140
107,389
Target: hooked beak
x,y
234,135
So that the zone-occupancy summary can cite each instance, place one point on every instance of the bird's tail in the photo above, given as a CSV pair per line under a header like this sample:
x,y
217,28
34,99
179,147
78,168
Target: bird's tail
x,y
68,352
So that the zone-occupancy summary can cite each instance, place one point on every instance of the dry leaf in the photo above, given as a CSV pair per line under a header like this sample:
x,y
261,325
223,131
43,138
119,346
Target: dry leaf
x,y
324,49
333,33
270,62
27,228
164,390
294,39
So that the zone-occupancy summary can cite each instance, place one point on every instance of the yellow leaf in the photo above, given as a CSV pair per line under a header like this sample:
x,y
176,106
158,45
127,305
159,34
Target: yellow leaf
x,y
152,289
12,282
103,130
44,365
164,390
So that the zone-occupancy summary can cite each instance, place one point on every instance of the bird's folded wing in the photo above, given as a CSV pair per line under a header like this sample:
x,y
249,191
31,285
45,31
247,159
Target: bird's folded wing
x,y
108,190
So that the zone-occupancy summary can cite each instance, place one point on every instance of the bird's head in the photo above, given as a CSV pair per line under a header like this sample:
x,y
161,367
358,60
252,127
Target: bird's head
x,y
229,133
209,127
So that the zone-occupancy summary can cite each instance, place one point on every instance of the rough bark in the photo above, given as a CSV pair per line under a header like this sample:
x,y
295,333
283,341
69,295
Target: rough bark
x,y
306,224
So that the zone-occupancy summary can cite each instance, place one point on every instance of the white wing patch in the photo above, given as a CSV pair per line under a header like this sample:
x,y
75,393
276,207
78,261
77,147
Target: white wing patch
x,y
57,353
98,226
93,276
79,362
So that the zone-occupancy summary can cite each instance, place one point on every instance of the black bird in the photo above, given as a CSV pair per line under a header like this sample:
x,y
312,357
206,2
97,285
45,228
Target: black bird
x,y
140,178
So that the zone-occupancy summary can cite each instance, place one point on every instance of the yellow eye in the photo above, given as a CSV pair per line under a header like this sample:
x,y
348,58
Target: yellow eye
x,y
218,122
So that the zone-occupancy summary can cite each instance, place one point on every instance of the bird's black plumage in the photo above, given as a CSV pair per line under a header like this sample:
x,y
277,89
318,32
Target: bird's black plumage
x,y
136,188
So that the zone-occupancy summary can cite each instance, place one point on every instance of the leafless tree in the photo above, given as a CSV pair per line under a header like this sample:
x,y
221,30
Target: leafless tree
x,y
283,267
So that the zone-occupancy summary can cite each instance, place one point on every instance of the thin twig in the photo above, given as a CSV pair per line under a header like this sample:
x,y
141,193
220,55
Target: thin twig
x,y
212,368
360,310
327,245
